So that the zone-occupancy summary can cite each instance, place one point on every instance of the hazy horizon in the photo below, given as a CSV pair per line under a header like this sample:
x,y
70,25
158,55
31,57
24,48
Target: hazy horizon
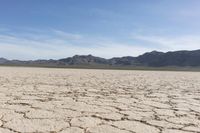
x,y
46,29
92,55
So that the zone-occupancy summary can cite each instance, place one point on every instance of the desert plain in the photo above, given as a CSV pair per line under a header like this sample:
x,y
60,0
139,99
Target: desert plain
x,y
50,100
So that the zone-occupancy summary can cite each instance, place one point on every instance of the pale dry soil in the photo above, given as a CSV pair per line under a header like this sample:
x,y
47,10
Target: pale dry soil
x,y
46,100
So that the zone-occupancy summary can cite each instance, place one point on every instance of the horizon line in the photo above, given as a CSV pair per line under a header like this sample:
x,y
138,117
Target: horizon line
x,y
99,56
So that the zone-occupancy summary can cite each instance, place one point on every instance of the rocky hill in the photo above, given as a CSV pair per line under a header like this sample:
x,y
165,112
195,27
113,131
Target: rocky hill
x,y
149,59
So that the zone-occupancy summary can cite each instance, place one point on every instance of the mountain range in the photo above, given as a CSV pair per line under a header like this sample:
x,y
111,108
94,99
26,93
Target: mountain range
x,y
150,59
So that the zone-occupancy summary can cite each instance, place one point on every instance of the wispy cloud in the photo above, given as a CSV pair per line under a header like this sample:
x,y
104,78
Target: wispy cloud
x,y
59,44
68,36
185,42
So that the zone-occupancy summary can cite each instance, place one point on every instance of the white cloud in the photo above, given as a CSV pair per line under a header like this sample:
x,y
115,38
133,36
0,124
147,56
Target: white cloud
x,y
68,36
58,44
61,44
186,42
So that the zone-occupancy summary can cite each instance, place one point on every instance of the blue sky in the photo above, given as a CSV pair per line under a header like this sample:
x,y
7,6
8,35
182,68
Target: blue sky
x,y
44,29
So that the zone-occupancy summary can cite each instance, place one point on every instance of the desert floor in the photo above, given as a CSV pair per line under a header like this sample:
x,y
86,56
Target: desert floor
x,y
47,100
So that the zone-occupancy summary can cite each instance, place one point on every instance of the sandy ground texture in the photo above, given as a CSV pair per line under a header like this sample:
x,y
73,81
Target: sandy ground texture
x,y
46,100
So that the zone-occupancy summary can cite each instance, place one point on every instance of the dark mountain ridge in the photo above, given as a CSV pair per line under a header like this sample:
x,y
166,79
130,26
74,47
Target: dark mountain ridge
x,y
150,59
84,60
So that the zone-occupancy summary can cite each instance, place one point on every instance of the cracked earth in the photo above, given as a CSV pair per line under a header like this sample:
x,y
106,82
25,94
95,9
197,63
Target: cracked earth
x,y
45,100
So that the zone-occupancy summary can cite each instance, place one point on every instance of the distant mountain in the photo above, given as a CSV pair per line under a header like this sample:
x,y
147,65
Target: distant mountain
x,y
84,60
177,58
149,59
3,60
123,61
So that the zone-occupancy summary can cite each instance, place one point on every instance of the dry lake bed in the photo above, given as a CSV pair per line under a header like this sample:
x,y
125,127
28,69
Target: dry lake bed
x,y
48,100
